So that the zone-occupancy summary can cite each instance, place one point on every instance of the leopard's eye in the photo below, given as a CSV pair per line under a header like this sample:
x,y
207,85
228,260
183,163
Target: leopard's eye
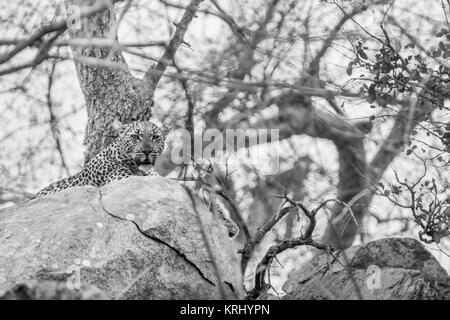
x,y
135,136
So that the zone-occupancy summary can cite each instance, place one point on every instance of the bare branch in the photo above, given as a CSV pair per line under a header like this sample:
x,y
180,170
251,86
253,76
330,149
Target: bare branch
x,y
177,39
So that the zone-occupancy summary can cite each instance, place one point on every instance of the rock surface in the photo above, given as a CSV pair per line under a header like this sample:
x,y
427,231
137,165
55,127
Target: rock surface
x,y
138,238
52,290
391,268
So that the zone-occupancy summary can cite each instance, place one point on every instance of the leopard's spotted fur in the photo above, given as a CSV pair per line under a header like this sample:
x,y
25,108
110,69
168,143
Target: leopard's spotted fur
x,y
137,146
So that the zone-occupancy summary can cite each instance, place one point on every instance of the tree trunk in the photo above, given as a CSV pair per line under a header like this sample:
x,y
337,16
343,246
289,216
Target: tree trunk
x,y
109,89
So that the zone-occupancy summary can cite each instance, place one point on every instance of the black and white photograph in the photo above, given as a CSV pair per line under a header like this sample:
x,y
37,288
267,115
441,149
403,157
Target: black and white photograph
x,y
229,157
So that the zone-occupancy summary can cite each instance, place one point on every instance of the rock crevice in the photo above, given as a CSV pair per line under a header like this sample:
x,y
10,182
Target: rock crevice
x,y
78,236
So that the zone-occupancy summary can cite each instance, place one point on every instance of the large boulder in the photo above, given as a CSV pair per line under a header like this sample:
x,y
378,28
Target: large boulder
x,y
138,238
391,268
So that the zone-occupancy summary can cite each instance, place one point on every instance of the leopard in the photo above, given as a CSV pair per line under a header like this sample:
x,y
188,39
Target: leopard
x,y
132,153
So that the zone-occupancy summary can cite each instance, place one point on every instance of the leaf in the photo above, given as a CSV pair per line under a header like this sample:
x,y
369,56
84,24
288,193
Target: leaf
x,y
350,68
396,189
381,100
370,98
363,55
436,53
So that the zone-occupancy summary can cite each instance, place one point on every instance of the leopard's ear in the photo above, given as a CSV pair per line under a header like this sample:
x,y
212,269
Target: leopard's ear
x,y
164,128
118,126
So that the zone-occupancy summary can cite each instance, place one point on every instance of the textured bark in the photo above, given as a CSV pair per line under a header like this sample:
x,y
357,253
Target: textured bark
x,y
342,229
110,91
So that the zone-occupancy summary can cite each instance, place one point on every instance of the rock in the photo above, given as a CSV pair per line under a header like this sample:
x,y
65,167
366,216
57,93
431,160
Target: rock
x,y
138,238
392,268
52,290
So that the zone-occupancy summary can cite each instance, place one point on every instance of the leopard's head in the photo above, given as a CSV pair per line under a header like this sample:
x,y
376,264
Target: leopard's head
x,y
141,141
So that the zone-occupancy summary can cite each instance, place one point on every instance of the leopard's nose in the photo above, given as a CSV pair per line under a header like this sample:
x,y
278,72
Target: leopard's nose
x,y
147,148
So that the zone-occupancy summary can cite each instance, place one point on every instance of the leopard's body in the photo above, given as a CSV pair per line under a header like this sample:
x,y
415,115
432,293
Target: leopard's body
x,y
137,146
133,153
